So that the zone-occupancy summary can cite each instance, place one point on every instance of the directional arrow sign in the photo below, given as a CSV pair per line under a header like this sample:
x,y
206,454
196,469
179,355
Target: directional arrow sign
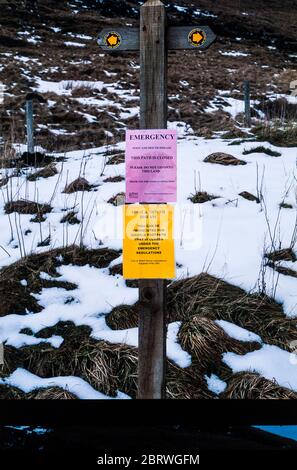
x,y
119,39
178,37
190,37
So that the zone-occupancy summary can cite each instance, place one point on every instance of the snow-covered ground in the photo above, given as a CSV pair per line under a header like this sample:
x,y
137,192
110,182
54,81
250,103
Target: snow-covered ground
x,y
226,236
27,382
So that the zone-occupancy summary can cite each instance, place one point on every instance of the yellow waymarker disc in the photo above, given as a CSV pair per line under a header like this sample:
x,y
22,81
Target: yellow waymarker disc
x,y
197,37
113,40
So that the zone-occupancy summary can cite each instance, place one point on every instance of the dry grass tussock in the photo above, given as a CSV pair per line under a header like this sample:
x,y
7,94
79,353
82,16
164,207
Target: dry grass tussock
x,y
196,302
26,207
107,367
249,386
16,298
80,184
214,298
223,159
46,172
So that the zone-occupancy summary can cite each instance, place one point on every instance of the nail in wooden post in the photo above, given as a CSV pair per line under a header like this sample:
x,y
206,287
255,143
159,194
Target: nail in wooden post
x,y
153,115
30,131
247,104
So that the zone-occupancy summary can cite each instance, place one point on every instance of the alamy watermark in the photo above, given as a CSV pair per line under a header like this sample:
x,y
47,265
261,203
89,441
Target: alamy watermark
x,y
187,226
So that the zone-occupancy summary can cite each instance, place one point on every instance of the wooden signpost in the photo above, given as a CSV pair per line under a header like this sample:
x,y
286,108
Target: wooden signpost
x,y
29,122
153,39
177,37
30,97
247,103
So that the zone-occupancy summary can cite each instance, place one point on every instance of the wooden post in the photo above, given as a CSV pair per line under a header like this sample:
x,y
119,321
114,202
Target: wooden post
x,y
1,354
29,121
153,115
153,39
153,66
247,104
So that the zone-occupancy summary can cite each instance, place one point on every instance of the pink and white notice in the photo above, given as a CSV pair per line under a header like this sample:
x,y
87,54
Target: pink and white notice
x,y
151,165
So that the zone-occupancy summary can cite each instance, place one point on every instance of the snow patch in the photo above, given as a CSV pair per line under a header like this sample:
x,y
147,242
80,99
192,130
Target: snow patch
x,y
28,382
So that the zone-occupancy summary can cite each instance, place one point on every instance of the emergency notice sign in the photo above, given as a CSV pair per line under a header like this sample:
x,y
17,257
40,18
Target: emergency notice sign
x,y
148,242
151,165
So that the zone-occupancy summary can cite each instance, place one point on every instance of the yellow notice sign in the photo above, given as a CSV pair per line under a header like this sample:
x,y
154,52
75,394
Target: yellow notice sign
x,y
148,251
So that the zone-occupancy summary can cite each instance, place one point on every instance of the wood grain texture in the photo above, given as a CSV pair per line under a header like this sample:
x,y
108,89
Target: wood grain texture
x,y
130,40
153,66
247,104
153,115
29,124
176,38
152,339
